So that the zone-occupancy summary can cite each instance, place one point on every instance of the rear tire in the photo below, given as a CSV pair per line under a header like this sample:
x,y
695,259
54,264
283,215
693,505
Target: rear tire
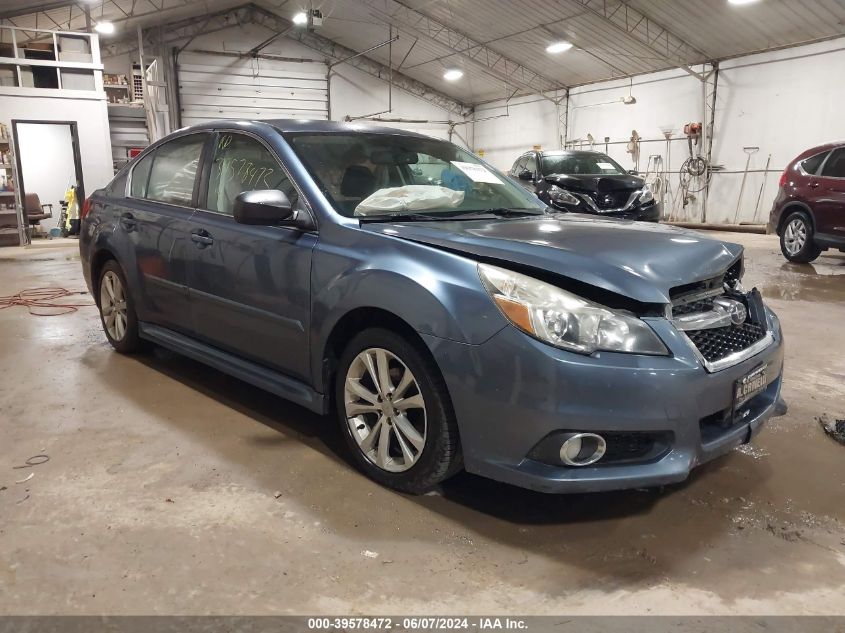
x,y
395,413
117,310
796,239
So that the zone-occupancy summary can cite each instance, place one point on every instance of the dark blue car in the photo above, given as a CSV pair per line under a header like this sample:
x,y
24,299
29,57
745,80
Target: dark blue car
x,y
446,316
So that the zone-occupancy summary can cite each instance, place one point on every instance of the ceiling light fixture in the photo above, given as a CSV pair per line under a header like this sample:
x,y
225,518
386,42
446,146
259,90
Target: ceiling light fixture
x,y
558,47
301,18
453,74
105,27
741,2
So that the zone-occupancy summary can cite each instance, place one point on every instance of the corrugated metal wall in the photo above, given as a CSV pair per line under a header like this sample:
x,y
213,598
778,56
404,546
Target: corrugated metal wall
x,y
223,86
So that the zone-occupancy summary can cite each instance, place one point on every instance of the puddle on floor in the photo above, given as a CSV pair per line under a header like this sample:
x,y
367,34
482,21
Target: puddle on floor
x,y
806,282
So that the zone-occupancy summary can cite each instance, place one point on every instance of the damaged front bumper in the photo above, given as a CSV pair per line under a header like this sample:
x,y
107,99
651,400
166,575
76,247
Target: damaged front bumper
x,y
512,392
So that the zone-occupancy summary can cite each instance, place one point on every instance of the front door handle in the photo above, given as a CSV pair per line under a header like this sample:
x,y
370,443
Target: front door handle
x,y
202,239
128,222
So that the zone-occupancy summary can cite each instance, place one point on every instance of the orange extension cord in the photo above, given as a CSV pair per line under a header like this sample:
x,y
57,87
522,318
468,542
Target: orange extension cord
x,y
44,298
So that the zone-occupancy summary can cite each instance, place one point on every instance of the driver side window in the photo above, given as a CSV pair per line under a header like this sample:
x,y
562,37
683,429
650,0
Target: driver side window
x,y
241,163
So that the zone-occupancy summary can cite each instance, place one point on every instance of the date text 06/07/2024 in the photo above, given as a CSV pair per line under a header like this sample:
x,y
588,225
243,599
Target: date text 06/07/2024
x,y
417,623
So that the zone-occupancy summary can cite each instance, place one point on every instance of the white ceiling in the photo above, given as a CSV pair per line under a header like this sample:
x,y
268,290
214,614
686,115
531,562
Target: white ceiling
x,y
518,31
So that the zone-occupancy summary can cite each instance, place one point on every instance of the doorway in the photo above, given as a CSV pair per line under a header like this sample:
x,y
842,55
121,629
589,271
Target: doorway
x,y
49,164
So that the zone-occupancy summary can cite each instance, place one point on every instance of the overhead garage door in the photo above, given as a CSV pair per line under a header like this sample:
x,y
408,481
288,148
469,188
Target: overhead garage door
x,y
228,87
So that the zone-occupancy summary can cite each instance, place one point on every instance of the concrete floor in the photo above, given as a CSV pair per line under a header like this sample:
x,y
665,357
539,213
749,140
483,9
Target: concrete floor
x,y
160,495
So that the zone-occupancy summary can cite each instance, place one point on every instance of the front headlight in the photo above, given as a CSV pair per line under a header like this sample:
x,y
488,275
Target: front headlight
x,y
562,196
646,195
565,320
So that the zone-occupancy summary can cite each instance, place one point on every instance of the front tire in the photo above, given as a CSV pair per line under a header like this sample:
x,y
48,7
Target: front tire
x,y
117,311
796,239
395,413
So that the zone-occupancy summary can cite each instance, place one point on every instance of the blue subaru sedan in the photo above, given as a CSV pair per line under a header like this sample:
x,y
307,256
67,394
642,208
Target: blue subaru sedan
x,y
445,316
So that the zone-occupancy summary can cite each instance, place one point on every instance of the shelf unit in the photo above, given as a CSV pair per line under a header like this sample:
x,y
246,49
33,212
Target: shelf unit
x,y
117,87
12,228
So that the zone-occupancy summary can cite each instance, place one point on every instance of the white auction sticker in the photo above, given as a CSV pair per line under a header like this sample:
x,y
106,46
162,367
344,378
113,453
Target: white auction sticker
x,y
605,166
478,173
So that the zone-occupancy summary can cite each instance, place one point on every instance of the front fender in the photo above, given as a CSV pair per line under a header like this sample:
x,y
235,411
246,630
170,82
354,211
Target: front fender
x,y
435,292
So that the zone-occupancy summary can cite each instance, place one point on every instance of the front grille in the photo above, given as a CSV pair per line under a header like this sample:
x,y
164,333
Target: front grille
x,y
702,305
679,294
719,342
733,274
611,199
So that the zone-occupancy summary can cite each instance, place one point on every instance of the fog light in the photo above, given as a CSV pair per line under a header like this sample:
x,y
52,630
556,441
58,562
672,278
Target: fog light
x,y
582,449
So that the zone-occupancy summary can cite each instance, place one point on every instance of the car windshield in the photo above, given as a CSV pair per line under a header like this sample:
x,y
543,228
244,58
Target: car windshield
x,y
586,163
381,174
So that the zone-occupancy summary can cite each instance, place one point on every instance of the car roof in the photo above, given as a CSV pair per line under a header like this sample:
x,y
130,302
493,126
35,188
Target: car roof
x,y
572,152
314,126
813,151
822,148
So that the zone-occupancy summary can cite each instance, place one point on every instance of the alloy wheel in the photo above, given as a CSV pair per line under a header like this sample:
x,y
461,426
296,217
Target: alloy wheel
x,y
385,410
795,236
113,305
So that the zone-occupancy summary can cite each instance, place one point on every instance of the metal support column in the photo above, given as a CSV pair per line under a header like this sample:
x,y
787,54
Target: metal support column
x,y
562,108
709,87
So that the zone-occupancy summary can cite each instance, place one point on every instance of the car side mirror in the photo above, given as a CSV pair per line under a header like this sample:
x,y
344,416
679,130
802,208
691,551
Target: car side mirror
x,y
633,172
526,174
263,207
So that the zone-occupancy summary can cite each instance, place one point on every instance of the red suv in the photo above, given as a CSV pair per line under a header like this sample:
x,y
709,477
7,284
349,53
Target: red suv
x,y
809,211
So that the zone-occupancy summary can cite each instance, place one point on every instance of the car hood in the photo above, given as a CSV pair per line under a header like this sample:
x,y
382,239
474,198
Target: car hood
x,y
641,261
597,184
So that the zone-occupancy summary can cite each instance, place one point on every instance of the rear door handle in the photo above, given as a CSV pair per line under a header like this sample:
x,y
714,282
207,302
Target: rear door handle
x,y
202,239
813,185
128,221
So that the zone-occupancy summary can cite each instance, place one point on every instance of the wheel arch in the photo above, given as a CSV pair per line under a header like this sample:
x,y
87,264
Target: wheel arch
x,y
791,208
99,259
355,321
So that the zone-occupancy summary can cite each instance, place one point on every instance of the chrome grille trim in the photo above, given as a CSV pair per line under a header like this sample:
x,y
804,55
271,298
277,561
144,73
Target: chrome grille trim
x,y
736,357
703,320
715,316
592,204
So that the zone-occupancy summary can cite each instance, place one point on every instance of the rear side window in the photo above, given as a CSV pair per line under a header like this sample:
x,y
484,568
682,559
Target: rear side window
x,y
835,165
531,164
140,176
518,165
811,165
174,170
240,164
